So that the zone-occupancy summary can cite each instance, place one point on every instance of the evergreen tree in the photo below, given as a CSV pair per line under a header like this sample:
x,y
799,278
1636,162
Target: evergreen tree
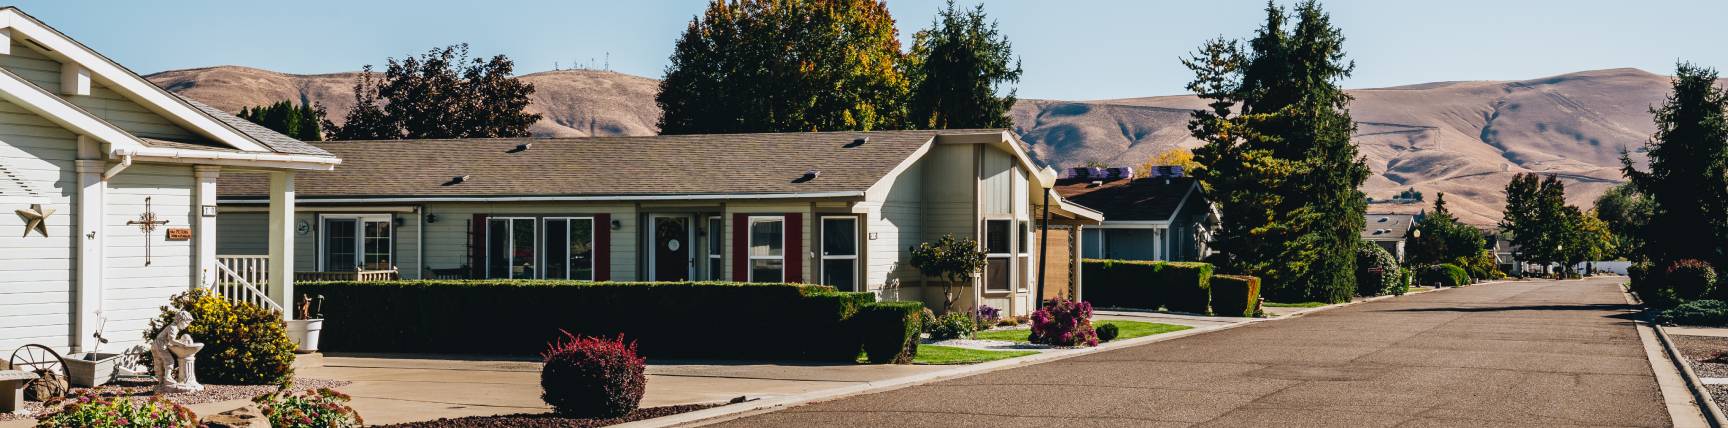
x,y
1278,156
1625,212
440,94
1442,238
956,68
303,122
1688,176
785,66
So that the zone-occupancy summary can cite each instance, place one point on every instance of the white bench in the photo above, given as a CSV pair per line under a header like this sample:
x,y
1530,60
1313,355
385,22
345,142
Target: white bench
x,y
12,389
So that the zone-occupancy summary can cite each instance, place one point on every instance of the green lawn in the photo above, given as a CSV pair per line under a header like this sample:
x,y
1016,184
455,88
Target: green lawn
x,y
1294,305
1125,330
942,355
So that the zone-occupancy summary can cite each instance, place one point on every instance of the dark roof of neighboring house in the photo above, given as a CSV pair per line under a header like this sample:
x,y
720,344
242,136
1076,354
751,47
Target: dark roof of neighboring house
x,y
1152,198
1387,226
711,164
269,138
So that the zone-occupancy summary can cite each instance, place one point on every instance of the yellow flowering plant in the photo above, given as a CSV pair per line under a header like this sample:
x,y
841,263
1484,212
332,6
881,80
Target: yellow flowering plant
x,y
243,344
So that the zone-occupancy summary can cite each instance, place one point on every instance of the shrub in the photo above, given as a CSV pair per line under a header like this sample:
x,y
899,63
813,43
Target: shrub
x,y
1107,332
986,317
1445,275
1696,312
1063,322
521,316
1647,282
1179,286
243,343
889,331
926,320
1691,279
953,325
90,411
319,408
1235,295
1481,266
1377,271
586,377
955,260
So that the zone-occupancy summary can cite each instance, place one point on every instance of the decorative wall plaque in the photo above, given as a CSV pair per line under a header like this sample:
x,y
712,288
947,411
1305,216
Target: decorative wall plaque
x,y
179,233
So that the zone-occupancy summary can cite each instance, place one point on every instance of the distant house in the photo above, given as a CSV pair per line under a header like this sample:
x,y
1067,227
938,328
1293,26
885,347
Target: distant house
x,y
1161,217
1389,231
837,208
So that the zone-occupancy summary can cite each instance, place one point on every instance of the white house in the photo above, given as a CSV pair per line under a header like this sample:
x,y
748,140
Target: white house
x,y
108,192
837,208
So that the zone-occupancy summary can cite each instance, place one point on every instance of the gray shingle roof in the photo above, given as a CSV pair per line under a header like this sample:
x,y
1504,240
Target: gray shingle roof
x,y
1142,199
1388,226
274,140
713,164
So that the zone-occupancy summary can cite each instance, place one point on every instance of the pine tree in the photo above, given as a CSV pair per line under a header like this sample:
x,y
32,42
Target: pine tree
x,y
1688,175
1278,156
300,122
785,66
956,69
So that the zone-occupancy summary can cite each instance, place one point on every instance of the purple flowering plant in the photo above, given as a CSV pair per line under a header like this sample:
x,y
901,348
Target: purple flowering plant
x,y
1063,322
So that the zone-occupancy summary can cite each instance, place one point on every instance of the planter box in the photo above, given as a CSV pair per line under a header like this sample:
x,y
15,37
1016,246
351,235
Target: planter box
x,y
304,333
89,370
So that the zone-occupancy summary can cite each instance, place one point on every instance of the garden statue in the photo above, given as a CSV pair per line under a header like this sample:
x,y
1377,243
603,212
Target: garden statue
x,y
173,351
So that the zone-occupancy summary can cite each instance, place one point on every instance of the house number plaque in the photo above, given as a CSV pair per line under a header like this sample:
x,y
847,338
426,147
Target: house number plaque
x,y
179,234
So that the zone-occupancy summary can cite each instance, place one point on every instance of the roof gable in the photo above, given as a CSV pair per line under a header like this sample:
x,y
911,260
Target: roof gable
x,y
1143,199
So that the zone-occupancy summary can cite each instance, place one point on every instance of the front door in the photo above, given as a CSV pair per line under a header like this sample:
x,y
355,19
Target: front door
x,y
671,249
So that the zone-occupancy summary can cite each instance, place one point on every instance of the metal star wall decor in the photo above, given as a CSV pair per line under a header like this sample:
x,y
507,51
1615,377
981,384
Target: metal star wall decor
x,y
147,222
36,218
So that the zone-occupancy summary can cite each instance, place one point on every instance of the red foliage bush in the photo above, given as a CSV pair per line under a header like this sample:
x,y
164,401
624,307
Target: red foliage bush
x,y
589,377
1063,322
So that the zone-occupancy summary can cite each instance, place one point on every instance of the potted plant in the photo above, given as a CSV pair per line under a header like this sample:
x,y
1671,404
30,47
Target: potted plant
x,y
94,368
306,325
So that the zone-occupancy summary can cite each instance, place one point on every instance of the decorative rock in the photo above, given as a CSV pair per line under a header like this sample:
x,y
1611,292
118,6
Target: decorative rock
x,y
48,385
173,357
245,417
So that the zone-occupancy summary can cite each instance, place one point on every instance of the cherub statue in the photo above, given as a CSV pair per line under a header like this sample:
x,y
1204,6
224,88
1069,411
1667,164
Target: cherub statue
x,y
172,353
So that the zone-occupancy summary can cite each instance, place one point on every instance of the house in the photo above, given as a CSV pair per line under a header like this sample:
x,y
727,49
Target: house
x,y
1164,216
837,208
108,184
1390,231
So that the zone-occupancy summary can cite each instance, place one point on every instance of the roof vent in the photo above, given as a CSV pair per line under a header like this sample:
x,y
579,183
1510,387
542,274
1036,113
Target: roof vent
x,y
1119,173
857,142
809,174
457,180
1085,172
520,148
1384,219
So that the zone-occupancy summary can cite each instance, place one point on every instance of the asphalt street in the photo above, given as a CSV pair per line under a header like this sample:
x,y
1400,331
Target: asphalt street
x,y
1530,353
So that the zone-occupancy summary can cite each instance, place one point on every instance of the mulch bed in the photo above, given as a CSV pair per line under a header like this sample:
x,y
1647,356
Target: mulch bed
x,y
548,420
212,393
1709,358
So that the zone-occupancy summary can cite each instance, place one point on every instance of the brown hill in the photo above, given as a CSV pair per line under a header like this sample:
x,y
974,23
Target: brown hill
x,y
1462,138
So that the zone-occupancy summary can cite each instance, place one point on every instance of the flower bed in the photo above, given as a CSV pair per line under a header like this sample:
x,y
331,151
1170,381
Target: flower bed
x,y
548,420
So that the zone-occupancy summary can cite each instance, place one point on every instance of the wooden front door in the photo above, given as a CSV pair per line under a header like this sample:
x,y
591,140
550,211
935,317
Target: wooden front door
x,y
671,249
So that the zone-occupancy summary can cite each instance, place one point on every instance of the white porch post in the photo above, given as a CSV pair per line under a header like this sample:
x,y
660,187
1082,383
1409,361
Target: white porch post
x,y
282,241
204,213
90,208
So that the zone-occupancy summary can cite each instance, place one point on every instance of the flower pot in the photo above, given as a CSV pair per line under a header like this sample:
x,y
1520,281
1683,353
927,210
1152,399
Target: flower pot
x,y
89,370
304,333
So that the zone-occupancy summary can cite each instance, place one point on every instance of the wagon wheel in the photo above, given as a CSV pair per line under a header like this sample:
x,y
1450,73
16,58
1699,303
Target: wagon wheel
x,y
35,357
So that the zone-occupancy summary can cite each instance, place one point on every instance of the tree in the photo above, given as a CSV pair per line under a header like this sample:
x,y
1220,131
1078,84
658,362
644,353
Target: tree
x,y
1626,213
785,66
1175,156
1442,238
955,260
1278,156
1688,175
440,94
956,69
303,122
1544,228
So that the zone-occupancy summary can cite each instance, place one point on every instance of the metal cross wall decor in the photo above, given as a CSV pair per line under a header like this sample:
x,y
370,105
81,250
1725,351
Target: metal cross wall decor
x,y
147,222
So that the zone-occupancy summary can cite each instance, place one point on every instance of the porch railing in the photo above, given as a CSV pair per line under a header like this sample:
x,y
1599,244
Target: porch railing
x,y
353,275
244,279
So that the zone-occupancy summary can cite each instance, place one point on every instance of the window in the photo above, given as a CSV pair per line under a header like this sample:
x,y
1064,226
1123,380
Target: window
x,y
1024,259
356,242
767,249
997,246
715,242
840,252
569,248
510,248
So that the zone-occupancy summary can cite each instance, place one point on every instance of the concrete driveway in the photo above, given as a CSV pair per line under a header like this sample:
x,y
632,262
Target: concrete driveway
x,y
1533,353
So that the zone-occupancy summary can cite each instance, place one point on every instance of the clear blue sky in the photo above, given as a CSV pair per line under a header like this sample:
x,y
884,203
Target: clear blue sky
x,y
1073,49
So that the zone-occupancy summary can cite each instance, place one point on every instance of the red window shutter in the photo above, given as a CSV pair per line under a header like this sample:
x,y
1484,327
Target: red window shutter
x,y
740,247
602,247
794,234
477,247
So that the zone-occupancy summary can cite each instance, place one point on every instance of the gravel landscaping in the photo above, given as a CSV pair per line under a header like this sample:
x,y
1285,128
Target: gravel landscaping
x,y
1702,353
548,420
211,393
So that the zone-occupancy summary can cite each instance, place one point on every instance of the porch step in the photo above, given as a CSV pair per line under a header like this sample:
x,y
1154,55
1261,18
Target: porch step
x,y
315,359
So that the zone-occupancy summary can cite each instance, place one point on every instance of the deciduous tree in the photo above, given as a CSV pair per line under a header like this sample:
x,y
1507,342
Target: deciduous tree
x,y
440,94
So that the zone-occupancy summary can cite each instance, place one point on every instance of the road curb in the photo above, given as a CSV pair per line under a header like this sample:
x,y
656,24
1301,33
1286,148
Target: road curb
x,y
1700,409
1693,382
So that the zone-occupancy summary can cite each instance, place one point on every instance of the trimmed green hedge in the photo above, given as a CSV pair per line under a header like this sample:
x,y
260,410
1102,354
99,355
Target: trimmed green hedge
x,y
665,319
1178,286
1445,274
1235,295
889,331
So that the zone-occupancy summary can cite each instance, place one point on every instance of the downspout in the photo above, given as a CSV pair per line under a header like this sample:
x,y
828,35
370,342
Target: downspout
x,y
125,161
1043,251
420,238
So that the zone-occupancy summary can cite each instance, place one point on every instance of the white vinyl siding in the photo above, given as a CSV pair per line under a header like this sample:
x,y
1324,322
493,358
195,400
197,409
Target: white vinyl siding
x,y
36,273
949,192
134,291
102,102
447,238
997,187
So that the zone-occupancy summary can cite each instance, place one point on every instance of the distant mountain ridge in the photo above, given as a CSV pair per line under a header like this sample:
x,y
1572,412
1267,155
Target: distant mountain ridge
x,y
1463,138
